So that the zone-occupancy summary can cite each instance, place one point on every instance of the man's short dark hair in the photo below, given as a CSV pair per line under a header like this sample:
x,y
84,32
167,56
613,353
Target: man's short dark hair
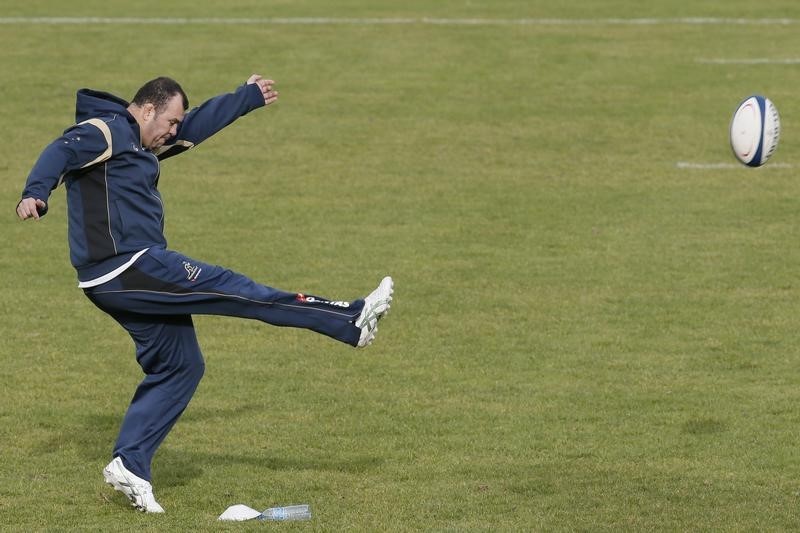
x,y
158,92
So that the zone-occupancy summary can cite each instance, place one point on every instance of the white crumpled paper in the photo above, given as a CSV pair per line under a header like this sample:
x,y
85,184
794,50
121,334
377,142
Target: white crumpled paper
x,y
239,513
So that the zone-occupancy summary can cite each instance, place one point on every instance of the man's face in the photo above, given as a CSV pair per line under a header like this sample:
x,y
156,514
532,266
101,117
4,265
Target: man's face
x,y
157,127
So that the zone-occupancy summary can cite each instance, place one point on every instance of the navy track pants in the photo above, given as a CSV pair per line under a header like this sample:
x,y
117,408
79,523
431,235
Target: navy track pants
x,y
154,300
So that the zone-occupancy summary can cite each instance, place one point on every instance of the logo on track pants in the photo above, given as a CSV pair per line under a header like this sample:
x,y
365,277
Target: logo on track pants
x,y
314,300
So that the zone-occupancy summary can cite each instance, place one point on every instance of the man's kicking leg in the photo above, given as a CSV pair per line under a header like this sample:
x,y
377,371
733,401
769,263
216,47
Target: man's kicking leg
x,y
167,282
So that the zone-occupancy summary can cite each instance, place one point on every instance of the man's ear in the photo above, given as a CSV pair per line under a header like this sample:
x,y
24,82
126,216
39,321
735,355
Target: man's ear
x,y
148,111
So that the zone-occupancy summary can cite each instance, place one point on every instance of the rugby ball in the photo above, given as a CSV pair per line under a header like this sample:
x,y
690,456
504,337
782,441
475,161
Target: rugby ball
x,y
755,129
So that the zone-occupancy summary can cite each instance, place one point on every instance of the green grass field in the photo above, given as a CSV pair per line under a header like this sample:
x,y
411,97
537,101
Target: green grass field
x,y
597,313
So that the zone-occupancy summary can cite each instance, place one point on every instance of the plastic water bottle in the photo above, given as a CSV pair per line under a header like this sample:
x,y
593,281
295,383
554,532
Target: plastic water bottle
x,y
290,512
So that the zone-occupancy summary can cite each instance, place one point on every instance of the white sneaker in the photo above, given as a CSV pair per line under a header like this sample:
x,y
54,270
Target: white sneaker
x,y
376,306
138,491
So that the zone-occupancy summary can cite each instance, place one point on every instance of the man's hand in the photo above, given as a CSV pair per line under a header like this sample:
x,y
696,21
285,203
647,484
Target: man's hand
x,y
265,86
31,207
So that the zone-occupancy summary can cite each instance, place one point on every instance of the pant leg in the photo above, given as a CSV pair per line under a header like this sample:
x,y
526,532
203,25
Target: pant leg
x,y
168,352
164,282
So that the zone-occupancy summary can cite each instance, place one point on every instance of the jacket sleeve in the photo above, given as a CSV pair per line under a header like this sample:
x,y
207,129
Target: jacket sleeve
x,y
81,146
210,117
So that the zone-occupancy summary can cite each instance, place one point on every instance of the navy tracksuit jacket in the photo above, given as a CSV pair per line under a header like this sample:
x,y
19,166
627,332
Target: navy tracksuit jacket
x,y
117,246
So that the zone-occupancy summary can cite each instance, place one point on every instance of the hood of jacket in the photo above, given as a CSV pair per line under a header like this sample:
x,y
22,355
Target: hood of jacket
x,y
90,104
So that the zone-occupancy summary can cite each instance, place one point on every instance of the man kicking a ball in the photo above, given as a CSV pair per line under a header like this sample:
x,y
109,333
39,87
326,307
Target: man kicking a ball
x,y
109,162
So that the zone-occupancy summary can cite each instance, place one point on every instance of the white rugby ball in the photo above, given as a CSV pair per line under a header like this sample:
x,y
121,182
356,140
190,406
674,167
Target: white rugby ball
x,y
755,129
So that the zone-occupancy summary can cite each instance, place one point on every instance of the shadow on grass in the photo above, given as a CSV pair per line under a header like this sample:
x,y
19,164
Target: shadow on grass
x,y
95,434
176,468
704,426
94,438
347,465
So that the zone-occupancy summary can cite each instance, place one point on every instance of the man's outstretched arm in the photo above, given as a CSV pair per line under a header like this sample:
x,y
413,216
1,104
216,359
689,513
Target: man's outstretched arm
x,y
82,145
210,117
